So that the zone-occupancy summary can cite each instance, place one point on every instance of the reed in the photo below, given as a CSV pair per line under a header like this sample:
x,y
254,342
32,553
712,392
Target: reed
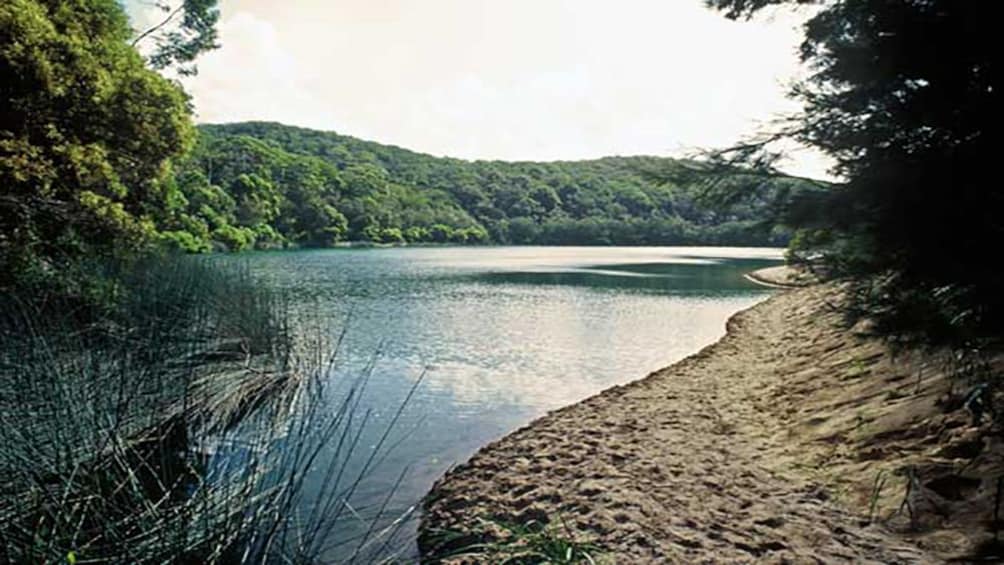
x,y
173,419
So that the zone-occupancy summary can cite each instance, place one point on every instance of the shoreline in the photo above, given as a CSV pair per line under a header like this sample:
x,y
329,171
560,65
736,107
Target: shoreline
x,y
782,277
744,450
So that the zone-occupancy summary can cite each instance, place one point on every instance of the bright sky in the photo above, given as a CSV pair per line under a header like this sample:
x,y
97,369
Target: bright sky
x,y
503,79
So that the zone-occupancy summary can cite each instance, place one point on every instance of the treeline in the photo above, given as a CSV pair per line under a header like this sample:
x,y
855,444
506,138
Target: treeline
x,y
99,159
267,185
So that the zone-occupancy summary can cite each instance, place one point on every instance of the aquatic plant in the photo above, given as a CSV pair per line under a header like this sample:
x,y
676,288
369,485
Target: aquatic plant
x,y
175,419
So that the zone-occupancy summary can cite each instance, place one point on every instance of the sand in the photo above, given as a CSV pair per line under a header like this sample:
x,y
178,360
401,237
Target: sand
x,y
773,445
783,276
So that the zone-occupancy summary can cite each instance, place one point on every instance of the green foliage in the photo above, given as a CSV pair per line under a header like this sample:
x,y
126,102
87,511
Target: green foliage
x,y
234,238
318,188
86,132
187,30
530,543
899,96
184,242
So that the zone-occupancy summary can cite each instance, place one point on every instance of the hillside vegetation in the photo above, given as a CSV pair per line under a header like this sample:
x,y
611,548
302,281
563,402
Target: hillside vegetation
x,y
263,185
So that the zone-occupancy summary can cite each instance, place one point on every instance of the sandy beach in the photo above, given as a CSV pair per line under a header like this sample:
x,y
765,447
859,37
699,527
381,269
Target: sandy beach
x,y
794,439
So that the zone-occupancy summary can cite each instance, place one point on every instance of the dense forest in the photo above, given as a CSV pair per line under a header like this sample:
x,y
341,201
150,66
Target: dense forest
x,y
266,185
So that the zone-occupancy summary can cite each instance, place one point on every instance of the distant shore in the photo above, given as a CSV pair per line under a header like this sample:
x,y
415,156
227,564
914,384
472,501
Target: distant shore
x,y
767,445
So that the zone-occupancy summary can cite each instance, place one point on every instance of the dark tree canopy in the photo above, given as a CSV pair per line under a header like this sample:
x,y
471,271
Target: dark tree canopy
x,y
900,95
736,9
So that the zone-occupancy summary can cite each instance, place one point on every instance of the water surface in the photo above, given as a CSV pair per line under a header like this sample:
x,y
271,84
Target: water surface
x,y
502,335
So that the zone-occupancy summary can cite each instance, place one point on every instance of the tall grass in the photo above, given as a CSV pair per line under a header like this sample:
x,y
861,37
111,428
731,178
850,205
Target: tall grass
x,y
172,418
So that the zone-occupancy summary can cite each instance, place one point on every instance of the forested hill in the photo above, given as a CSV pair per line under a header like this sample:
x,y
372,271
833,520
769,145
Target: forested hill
x,y
263,185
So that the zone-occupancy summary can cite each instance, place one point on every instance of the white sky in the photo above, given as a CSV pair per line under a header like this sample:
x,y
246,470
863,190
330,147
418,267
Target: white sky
x,y
504,79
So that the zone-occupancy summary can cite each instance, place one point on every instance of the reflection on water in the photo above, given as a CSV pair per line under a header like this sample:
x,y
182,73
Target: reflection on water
x,y
503,334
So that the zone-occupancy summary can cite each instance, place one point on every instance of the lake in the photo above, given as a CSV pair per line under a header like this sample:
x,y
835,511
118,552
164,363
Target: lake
x,y
499,336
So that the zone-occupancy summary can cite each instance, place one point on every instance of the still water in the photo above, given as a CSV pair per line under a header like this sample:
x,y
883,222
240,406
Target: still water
x,y
499,336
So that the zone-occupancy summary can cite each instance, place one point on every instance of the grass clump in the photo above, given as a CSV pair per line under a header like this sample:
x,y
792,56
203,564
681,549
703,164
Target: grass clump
x,y
170,416
533,542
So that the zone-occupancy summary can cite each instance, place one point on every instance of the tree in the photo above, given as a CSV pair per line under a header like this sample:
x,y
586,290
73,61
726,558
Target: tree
x,y
900,95
86,132
316,188
187,30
